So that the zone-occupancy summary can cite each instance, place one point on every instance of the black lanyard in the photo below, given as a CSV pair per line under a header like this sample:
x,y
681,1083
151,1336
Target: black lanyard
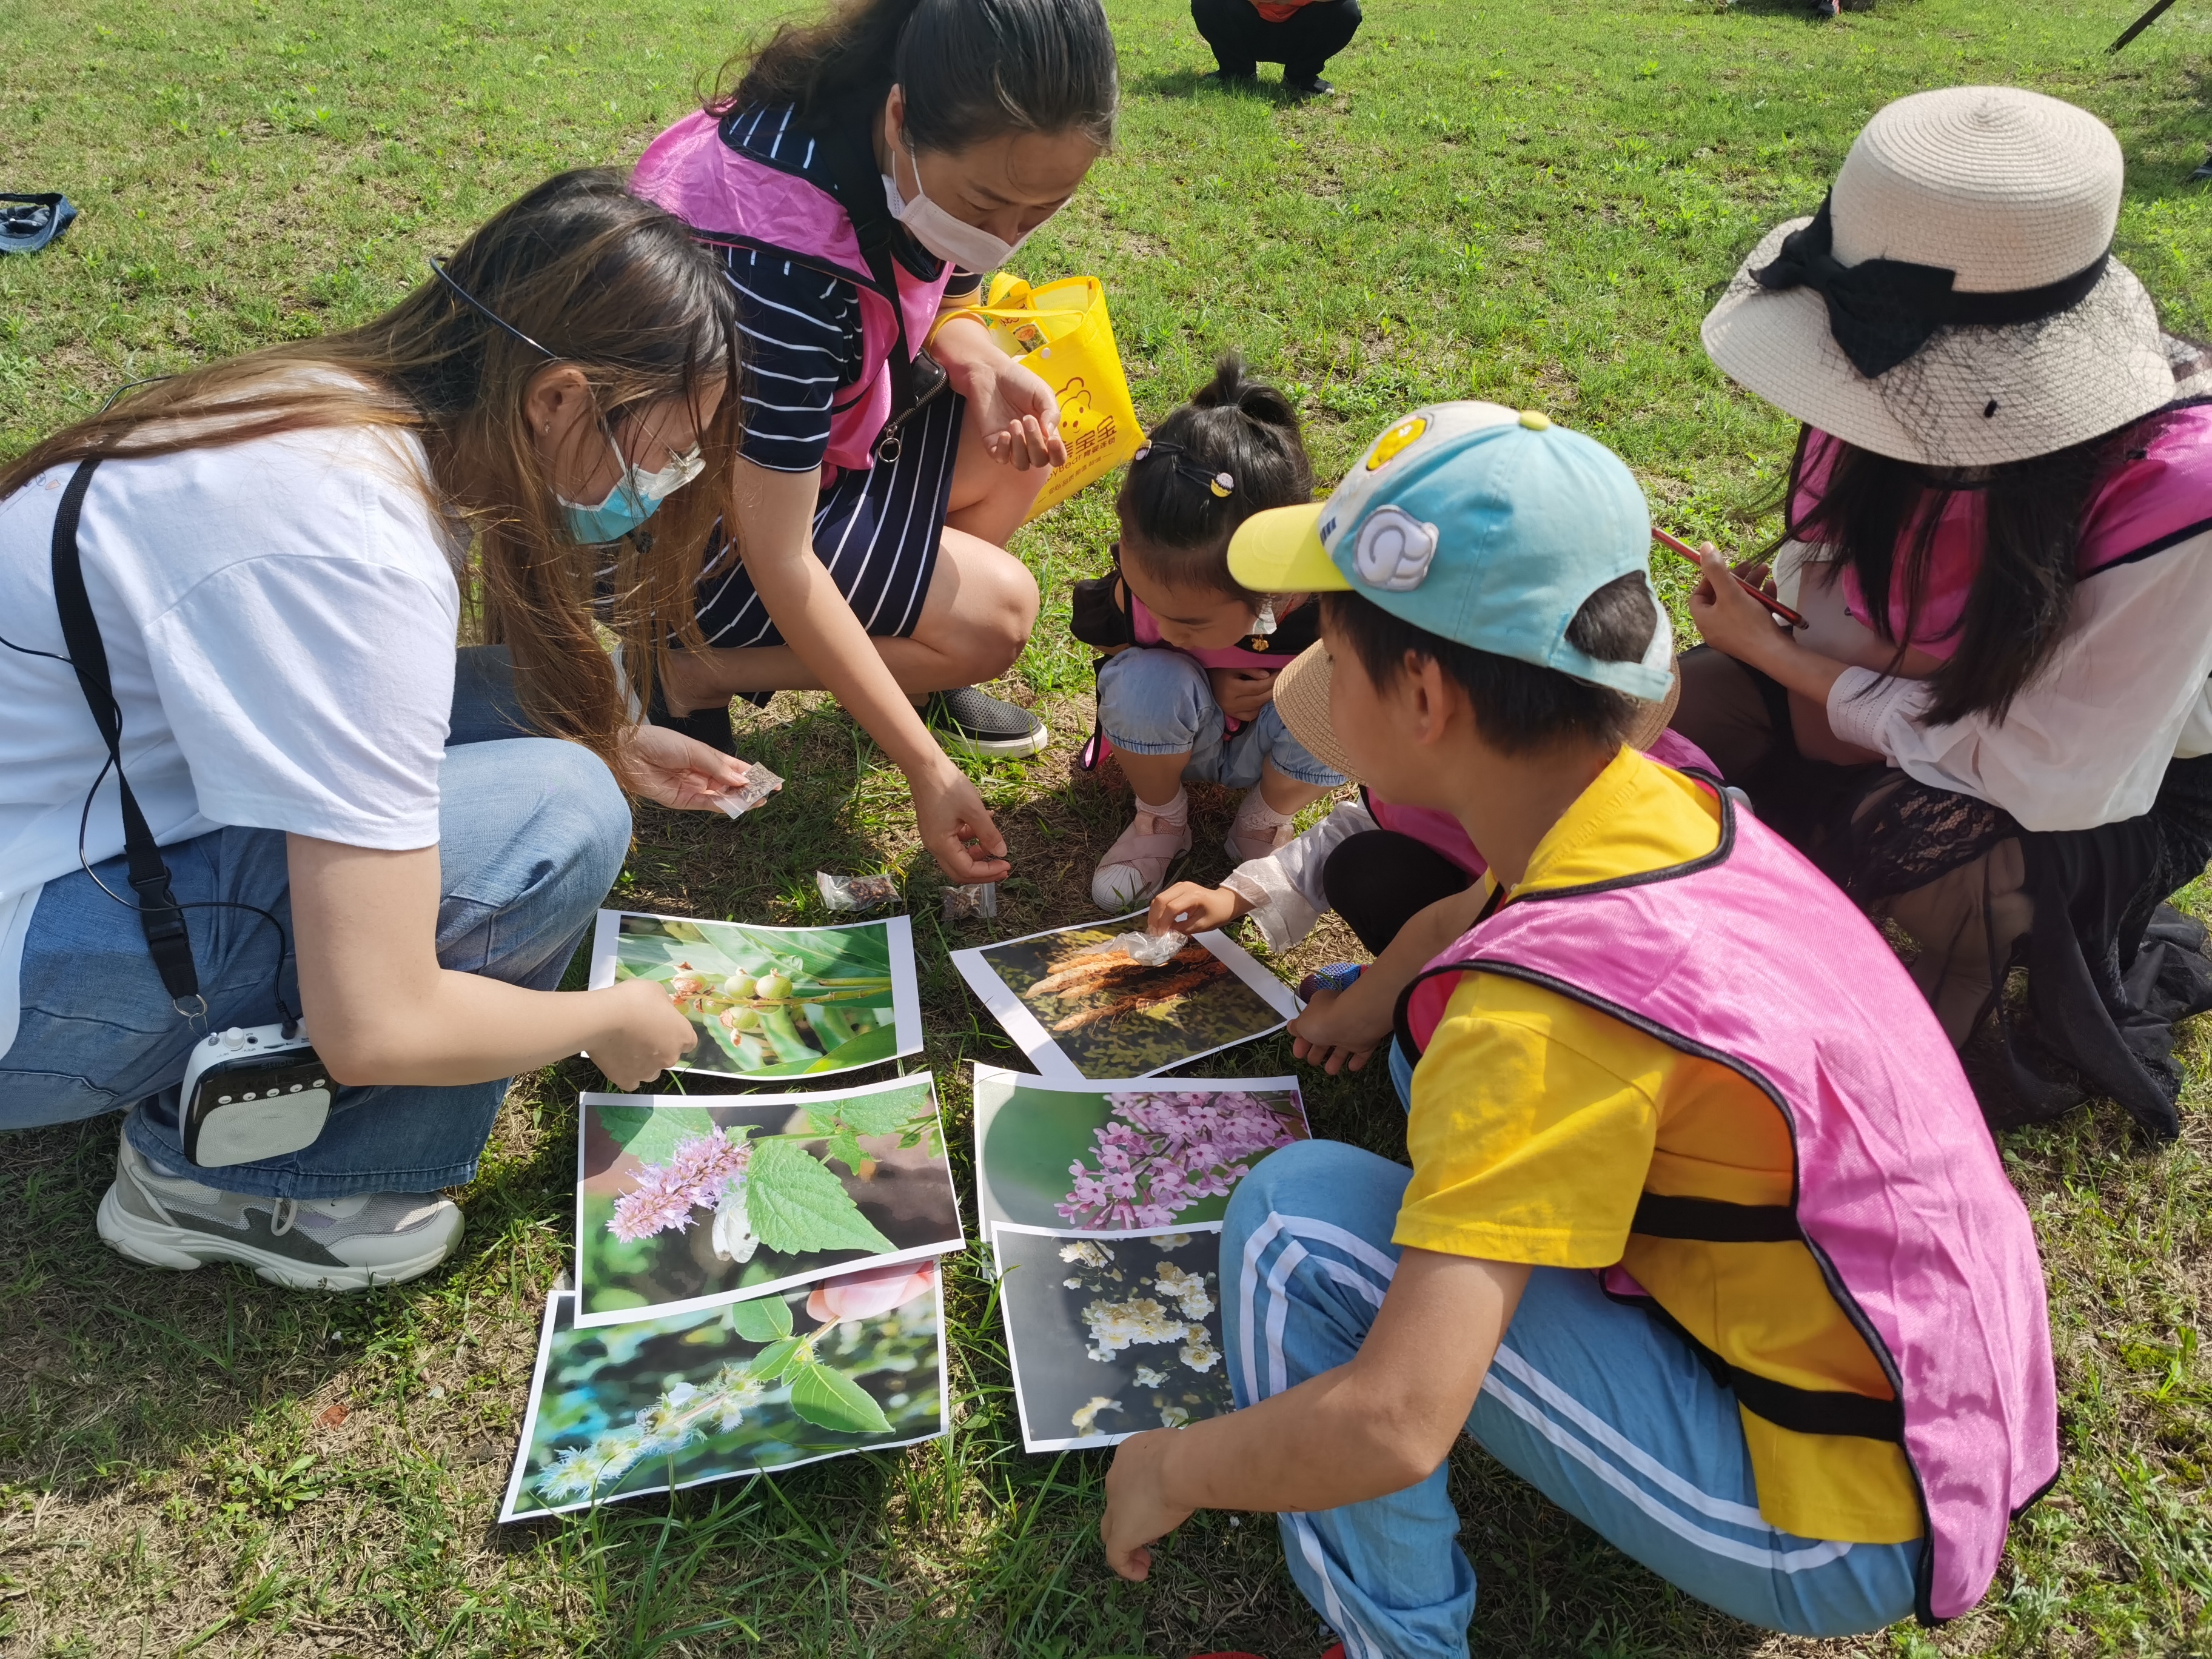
x,y
160,916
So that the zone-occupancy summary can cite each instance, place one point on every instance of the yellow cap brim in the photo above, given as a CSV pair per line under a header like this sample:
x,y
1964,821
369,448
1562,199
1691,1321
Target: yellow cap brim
x,y
1279,551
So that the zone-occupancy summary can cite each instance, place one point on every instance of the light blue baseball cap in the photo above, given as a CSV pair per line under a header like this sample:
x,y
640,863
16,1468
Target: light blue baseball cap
x,y
1485,525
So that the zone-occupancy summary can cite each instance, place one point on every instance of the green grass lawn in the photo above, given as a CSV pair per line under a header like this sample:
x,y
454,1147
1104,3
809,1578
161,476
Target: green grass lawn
x,y
1529,202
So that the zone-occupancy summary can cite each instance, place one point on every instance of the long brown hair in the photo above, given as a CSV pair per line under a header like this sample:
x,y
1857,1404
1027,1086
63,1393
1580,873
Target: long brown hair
x,y
592,277
1880,515
973,69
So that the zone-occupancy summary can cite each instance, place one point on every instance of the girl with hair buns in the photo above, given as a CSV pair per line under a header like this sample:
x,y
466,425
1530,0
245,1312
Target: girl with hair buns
x,y
361,826
865,172
1186,687
1996,729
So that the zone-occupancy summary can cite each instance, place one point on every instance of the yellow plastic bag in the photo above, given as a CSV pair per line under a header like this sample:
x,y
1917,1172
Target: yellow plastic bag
x,y
1060,330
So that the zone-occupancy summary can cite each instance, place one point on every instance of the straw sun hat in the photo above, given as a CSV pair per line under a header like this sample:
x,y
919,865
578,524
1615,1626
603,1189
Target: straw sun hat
x,y
1301,695
1954,302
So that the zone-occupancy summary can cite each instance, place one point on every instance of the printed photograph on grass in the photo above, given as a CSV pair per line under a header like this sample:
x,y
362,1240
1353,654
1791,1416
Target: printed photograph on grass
x,y
685,1202
1080,1007
1109,1337
1122,1156
773,1002
855,1363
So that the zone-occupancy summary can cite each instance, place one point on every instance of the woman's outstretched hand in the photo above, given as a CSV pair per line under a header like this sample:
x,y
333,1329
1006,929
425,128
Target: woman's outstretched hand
x,y
1018,415
666,766
956,828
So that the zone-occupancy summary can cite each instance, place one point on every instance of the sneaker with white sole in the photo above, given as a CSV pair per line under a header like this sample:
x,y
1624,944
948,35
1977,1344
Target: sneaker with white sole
x,y
1138,861
305,1244
968,722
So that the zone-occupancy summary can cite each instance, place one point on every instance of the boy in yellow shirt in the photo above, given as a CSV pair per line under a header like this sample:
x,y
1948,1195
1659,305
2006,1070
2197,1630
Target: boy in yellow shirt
x,y
1703,1236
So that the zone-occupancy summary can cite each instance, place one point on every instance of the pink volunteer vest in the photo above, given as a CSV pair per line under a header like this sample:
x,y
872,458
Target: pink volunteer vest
x,y
1441,833
730,197
1900,1194
2161,494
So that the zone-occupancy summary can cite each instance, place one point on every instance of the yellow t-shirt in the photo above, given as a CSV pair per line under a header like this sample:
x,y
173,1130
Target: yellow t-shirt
x,y
1538,1123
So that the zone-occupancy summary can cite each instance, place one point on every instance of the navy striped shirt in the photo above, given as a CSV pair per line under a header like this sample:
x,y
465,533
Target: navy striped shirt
x,y
801,327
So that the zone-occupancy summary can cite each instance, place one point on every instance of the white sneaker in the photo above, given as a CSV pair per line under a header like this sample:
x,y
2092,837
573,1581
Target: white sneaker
x,y
305,1244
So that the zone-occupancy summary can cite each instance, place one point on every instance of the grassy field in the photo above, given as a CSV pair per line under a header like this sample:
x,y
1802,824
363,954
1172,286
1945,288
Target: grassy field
x,y
1528,201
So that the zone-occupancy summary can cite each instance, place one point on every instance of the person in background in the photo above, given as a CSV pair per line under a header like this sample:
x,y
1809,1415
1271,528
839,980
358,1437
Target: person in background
x,y
400,841
866,171
1301,35
1995,730
1185,688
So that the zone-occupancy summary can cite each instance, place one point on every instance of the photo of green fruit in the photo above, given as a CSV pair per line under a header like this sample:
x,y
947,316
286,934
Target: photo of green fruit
x,y
773,1002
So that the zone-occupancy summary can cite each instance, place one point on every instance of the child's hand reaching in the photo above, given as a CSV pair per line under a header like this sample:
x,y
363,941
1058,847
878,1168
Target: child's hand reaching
x,y
1187,907
1340,1029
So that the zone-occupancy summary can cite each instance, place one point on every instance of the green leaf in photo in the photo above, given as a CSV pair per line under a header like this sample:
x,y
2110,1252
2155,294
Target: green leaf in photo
x,y
830,1400
845,1147
879,1113
770,1362
764,1319
650,1134
866,1050
796,1205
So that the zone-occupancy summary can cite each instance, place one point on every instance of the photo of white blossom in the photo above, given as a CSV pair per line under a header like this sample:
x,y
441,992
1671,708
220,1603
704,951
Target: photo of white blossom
x,y
855,1363
1111,1336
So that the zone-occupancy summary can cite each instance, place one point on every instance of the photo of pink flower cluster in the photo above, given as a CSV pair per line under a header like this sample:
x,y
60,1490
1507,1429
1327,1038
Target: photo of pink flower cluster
x,y
1166,1151
697,1173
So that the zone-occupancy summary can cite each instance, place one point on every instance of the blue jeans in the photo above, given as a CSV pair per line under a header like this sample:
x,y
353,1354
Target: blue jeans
x,y
1155,701
1593,1403
531,833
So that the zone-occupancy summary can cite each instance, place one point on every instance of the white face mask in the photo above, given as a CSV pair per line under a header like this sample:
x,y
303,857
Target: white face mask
x,y
970,246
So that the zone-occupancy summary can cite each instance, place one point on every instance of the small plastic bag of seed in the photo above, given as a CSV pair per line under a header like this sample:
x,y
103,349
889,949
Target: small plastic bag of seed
x,y
1146,950
977,899
856,892
760,783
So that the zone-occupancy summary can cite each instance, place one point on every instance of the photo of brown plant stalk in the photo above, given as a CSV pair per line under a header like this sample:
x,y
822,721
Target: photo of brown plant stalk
x,y
1114,1016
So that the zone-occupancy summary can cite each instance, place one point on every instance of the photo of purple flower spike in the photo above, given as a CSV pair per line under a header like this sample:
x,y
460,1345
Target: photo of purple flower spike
x,y
1166,1151
697,1173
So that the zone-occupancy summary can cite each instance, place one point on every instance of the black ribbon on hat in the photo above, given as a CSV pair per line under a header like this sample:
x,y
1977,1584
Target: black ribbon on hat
x,y
1882,311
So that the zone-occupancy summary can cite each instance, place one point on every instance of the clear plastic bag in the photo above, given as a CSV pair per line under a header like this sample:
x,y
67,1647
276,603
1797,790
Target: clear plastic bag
x,y
966,903
856,892
1146,950
760,783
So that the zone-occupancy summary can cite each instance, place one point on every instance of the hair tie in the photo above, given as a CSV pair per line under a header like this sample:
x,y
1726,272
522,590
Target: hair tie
x,y
1222,485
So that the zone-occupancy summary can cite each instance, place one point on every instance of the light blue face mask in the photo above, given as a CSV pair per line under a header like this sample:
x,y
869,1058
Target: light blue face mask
x,y
635,496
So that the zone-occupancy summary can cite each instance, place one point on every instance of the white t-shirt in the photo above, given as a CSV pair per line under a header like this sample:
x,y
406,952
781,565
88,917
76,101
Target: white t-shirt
x,y
280,619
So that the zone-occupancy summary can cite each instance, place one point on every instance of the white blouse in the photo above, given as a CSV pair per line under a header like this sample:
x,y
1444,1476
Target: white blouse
x,y
2127,689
